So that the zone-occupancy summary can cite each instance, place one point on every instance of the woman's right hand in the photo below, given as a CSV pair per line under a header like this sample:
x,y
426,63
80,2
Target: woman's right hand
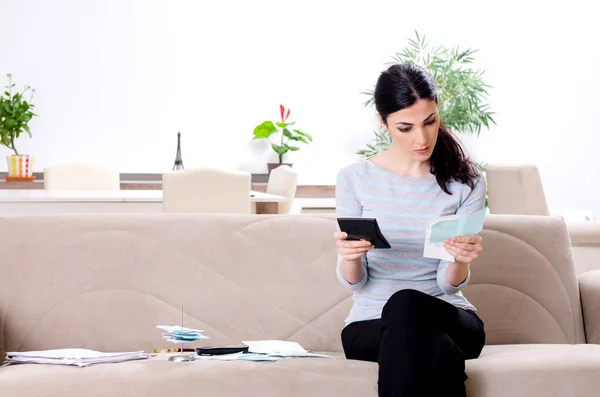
x,y
351,249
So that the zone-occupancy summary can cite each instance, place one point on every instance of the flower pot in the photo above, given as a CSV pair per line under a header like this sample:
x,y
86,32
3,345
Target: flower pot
x,y
272,166
20,166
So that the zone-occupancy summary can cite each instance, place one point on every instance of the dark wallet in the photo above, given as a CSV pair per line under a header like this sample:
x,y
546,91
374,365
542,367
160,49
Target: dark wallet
x,y
363,229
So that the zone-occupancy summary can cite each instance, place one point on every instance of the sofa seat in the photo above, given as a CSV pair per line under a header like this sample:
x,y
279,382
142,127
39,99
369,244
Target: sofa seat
x,y
157,377
515,370
544,370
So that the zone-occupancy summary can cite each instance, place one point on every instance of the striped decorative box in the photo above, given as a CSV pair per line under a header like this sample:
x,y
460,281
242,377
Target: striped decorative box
x,y
20,166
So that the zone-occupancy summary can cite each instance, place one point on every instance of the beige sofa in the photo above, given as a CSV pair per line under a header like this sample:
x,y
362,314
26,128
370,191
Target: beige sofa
x,y
518,189
105,282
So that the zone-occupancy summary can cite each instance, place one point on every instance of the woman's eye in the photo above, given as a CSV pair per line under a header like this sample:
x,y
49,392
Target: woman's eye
x,y
404,129
430,122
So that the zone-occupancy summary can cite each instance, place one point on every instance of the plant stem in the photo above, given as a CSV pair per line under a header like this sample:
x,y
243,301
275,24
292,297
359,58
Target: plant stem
x,y
281,145
12,145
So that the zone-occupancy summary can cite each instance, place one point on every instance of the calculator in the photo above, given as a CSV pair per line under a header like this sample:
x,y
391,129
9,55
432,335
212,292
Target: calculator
x,y
220,350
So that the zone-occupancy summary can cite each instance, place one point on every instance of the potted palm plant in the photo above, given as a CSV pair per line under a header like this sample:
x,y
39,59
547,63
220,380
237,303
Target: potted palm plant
x,y
281,138
15,115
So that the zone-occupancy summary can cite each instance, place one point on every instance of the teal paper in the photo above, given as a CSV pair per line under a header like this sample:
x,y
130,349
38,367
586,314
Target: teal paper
x,y
465,225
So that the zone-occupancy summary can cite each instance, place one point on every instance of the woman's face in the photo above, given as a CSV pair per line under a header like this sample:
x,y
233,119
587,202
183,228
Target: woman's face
x,y
415,129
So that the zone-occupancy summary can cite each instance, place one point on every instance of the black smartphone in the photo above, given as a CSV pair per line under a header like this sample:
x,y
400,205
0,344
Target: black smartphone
x,y
363,229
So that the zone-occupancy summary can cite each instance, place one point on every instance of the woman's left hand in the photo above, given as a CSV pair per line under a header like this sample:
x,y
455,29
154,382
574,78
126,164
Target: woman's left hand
x,y
464,249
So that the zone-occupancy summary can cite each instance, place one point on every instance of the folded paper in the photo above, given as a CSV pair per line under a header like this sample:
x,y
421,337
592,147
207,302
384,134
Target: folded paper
x,y
446,227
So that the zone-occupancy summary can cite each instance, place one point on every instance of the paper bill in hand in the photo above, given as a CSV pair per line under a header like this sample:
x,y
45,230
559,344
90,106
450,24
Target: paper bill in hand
x,y
445,227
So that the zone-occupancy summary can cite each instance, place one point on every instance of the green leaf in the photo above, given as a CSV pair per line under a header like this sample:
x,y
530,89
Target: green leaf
x,y
293,148
25,117
276,148
10,123
7,107
283,125
307,136
264,130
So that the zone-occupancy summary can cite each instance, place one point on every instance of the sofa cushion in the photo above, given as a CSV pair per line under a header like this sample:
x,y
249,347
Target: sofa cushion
x,y
536,370
159,377
508,370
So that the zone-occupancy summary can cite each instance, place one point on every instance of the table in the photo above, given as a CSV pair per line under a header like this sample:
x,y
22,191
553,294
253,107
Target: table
x,y
38,201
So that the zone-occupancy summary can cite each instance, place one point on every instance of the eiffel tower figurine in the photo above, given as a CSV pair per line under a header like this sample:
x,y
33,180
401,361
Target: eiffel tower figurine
x,y
178,161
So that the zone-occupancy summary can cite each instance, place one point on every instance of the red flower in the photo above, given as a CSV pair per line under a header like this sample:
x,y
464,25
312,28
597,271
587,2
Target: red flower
x,y
282,111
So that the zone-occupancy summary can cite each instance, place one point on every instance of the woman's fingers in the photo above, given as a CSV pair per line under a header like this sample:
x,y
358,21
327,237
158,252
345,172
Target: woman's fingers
x,y
352,243
351,249
465,246
340,235
355,250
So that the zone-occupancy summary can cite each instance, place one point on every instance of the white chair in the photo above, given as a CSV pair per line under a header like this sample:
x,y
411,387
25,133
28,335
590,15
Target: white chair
x,y
206,190
81,176
283,182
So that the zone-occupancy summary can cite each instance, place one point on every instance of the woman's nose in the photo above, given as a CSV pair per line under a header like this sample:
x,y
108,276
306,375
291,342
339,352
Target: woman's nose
x,y
421,137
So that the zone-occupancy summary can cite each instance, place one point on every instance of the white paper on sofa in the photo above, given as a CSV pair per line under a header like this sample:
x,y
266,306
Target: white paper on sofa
x,y
78,357
239,357
281,349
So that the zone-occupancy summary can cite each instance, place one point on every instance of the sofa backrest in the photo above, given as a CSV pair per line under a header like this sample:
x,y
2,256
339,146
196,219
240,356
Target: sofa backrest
x,y
105,282
524,284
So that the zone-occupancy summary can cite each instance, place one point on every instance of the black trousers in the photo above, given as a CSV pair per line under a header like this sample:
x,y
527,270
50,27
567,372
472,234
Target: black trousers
x,y
421,344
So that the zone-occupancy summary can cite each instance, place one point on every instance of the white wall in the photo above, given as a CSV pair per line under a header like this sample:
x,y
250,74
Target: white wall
x,y
116,80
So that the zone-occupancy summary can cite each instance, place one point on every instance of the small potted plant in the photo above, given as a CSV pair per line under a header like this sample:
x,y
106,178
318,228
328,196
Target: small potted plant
x,y
15,114
281,138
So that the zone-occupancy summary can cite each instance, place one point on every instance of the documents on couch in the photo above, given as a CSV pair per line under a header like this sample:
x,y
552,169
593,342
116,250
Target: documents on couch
x,y
280,348
78,357
267,350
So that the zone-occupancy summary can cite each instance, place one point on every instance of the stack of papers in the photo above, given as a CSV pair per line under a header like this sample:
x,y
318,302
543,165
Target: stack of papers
x,y
78,357
178,334
446,227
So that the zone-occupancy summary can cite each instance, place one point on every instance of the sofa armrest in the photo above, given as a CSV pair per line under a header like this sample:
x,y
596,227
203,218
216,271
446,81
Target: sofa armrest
x,y
584,232
585,243
589,289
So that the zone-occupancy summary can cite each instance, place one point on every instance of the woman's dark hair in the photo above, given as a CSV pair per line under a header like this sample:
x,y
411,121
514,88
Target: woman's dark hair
x,y
400,87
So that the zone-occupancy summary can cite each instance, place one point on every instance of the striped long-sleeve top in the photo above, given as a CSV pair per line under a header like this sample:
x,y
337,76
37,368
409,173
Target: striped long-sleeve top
x,y
402,206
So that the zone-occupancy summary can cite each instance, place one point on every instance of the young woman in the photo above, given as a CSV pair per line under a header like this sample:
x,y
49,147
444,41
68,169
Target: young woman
x,y
408,313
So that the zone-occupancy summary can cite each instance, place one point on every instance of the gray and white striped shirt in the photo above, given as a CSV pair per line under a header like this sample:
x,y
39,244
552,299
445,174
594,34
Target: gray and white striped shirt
x,y
402,206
